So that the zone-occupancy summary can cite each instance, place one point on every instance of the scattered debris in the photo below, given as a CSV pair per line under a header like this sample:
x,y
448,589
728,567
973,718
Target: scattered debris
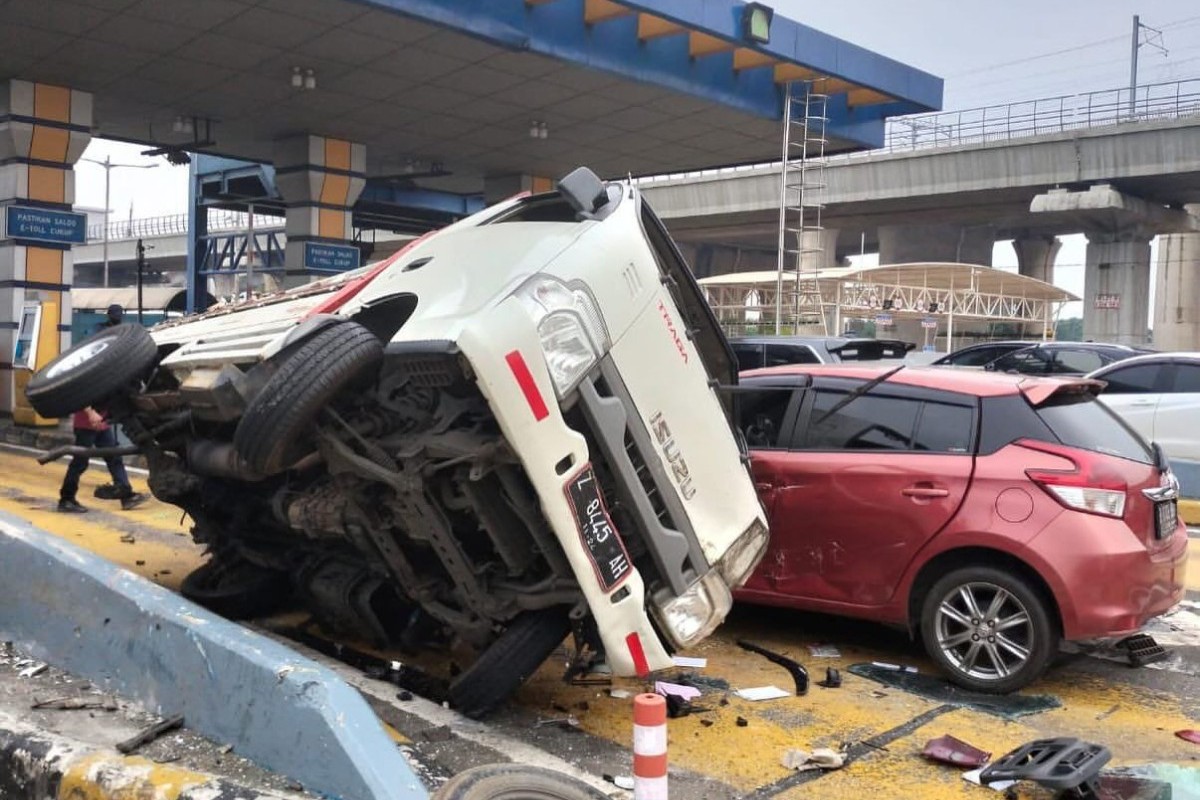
x,y
1142,649
667,689
799,673
294,786
949,750
833,679
569,722
128,538
678,707
702,681
1189,736
894,667
149,734
821,758
620,694
933,687
972,776
76,703
31,671
621,781
824,651
140,562
1064,765
742,722
404,696
762,693
708,723
689,662
1109,713
226,749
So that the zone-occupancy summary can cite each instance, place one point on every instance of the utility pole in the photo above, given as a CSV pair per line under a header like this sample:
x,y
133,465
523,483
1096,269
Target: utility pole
x,y
1133,53
109,166
141,264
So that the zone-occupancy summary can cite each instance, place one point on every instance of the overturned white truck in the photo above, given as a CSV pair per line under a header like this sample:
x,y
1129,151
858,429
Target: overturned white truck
x,y
508,432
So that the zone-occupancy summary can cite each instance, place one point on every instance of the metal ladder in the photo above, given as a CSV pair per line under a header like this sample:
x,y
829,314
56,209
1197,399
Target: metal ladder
x,y
801,202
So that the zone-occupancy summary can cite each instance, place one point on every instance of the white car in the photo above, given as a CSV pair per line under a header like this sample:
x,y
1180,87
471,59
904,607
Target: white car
x,y
509,431
1159,396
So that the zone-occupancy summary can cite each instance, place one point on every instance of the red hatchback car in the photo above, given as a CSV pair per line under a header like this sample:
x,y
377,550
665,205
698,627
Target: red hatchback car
x,y
993,515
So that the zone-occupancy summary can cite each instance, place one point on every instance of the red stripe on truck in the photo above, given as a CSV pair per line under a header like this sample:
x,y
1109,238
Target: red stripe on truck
x,y
520,371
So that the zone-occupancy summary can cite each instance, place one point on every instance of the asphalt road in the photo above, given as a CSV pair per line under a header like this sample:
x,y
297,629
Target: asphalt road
x,y
1135,712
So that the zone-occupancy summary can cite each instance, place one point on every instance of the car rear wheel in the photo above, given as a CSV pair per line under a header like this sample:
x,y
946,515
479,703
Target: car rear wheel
x,y
92,371
235,588
276,429
989,629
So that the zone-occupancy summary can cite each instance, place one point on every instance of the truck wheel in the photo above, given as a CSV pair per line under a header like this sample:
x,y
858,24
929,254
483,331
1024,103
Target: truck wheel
x,y
275,430
235,588
989,629
514,782
92,371
501,669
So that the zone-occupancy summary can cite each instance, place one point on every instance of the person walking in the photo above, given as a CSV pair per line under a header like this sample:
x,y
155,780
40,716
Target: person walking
x,y
93,430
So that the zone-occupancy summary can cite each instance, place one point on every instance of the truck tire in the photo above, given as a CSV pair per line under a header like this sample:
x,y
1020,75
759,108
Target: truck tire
x,y
514,782
501,669
235,588
274,432
92,371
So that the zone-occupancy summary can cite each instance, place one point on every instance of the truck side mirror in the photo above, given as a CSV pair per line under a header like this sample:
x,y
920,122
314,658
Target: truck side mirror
x,y
584,190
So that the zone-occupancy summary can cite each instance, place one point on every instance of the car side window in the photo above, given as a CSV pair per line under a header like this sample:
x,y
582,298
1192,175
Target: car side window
x,y
762,413
868,422
1027,362
1136,379
1081,361
779,354
1187,378
944,428
976,358
749,355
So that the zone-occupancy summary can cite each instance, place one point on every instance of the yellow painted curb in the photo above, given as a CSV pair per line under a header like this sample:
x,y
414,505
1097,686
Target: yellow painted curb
x,y
105,776
1189,510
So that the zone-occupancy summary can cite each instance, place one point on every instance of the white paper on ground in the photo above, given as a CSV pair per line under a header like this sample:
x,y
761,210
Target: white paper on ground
x,y
972,776
762,693
688,661
824,651
686,692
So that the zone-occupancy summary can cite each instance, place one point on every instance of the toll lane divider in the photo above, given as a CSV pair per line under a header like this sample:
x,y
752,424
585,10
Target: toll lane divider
x,y
37,764
70,608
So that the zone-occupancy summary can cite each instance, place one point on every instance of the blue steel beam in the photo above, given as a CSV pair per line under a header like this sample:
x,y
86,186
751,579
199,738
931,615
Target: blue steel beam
x,y
389,194
557,29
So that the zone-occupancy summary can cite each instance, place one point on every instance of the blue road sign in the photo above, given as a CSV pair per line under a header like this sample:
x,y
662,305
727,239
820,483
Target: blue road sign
x,y
45,225
331,257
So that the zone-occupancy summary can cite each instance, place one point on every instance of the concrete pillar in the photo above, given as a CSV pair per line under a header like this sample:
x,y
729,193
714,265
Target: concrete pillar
x,y
1116,288
818,250
502,187
909,244
43,132
1035,256
320,179
1177,291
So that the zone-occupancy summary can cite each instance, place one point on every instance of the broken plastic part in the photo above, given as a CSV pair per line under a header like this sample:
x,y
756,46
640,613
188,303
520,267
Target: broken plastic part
x,y
1189,736
833,679
1063,764
1142,650
949,750
798,672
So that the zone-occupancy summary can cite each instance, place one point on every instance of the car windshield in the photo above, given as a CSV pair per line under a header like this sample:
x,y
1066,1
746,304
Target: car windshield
x,y
1081,421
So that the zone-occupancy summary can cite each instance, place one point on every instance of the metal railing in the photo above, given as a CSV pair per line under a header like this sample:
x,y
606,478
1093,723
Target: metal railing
x,y
1156,101
177,225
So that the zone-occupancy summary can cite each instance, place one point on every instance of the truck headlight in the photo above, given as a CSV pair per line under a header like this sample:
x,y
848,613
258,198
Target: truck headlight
x,y
744,554
569,325
693,615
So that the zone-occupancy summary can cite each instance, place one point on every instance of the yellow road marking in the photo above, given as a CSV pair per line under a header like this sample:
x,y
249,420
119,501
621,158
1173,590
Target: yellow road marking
x,y
111,777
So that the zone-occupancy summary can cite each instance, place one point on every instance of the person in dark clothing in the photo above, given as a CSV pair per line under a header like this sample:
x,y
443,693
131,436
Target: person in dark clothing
x,y
92,430
113,316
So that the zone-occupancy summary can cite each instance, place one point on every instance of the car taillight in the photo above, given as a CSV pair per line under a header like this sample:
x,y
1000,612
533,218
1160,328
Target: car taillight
x,y
1090,486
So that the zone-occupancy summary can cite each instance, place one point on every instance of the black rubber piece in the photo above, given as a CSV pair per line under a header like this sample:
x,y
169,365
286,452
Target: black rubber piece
x,y
128,354
1063,764
501,669
234,588
1046,636
798,672
514,782
275,431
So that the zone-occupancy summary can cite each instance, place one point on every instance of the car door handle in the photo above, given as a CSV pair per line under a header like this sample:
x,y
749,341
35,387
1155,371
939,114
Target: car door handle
x,y
924,492
1143,403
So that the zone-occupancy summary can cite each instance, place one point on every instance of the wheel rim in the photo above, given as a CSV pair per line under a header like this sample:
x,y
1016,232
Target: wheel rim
x,y
77,358
984,631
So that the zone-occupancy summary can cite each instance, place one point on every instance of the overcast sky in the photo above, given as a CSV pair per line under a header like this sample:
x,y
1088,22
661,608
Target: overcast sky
x,y
988,53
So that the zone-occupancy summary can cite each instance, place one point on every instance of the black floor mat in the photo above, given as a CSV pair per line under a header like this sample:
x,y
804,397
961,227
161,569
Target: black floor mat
x,y
940,690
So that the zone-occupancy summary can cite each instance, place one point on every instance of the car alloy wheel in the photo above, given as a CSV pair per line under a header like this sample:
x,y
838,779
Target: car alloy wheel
x,y
984,631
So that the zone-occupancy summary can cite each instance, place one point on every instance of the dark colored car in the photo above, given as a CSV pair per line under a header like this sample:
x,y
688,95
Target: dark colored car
x,y
977,355
1063,358
754,352
992,515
